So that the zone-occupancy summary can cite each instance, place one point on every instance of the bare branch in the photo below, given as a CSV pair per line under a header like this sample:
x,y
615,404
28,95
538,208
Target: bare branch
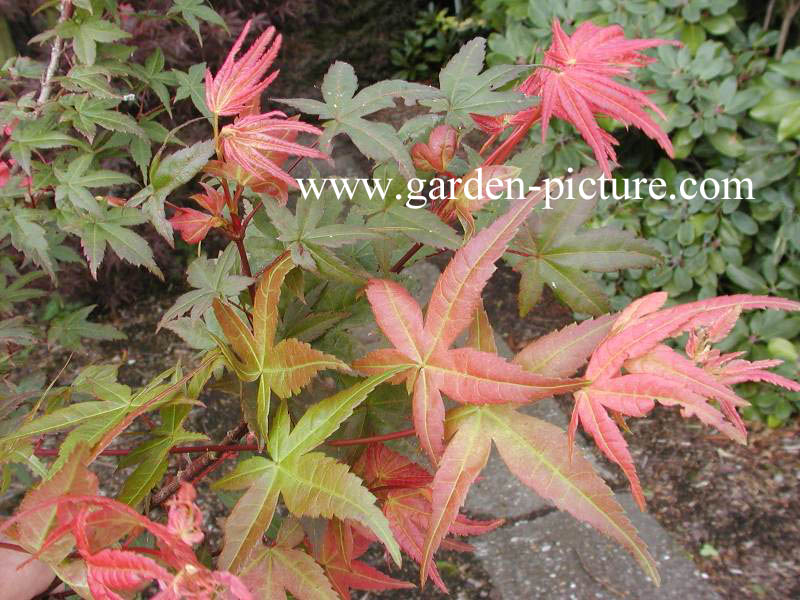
x,y
55,54
198,466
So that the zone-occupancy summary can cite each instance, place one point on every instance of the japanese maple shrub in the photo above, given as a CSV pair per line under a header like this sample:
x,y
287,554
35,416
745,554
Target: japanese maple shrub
x,y
316,481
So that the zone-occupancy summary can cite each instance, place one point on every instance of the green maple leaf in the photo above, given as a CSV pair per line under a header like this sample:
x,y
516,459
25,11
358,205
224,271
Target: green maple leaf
x,y
194,11
69,329
89,420
109,227
41,134
210,278
78,178
311,235
390,214
556,254
151,456
311,483
284,367
343,111
191,85
86,35
86,113
465,89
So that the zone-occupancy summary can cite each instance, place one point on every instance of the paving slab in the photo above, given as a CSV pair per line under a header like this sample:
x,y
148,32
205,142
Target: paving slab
x,y
556,557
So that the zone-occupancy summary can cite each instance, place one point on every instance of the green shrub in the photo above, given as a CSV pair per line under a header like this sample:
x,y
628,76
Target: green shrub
x,y
436,36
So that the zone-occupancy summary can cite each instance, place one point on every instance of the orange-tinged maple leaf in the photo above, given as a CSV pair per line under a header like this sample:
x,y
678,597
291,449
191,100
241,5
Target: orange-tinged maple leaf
x,y
576,84
422,346
632,369
94,526
238,83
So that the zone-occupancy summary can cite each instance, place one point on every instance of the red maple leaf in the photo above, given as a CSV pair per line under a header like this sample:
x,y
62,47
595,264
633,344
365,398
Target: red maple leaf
x,y
406,491
342,545
193,224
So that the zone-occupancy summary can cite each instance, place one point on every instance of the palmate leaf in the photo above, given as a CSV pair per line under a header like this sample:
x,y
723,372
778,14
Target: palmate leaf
x,y
23,227
557,255
422,346
341,548
343,111
465,90
16,291
69,329
311,483
210,278
538,454
33,530
166,175
278,570
78,178
90,422
311,235
281,568
87,34
390,214
659,374
86,113
39,134
405,488
194,11
283,368
111,227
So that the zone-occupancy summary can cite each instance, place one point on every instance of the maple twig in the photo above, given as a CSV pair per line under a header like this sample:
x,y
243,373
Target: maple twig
x,y
375,438
518,253
54,585
46,452
198,466
299,158
14,547
249,216
55,55
239,241
405,258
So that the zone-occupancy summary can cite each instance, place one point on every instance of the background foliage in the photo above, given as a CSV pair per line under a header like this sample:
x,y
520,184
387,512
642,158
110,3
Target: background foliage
x,y
732,101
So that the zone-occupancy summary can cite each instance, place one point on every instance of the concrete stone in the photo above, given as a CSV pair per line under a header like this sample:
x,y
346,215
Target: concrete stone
x,y
556,557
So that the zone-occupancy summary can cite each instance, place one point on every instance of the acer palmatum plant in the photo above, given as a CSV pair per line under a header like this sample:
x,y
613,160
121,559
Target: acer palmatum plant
x,y
325,478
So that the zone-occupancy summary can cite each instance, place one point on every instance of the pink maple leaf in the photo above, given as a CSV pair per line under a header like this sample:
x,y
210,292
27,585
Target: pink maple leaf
x,y
576,84
238,83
